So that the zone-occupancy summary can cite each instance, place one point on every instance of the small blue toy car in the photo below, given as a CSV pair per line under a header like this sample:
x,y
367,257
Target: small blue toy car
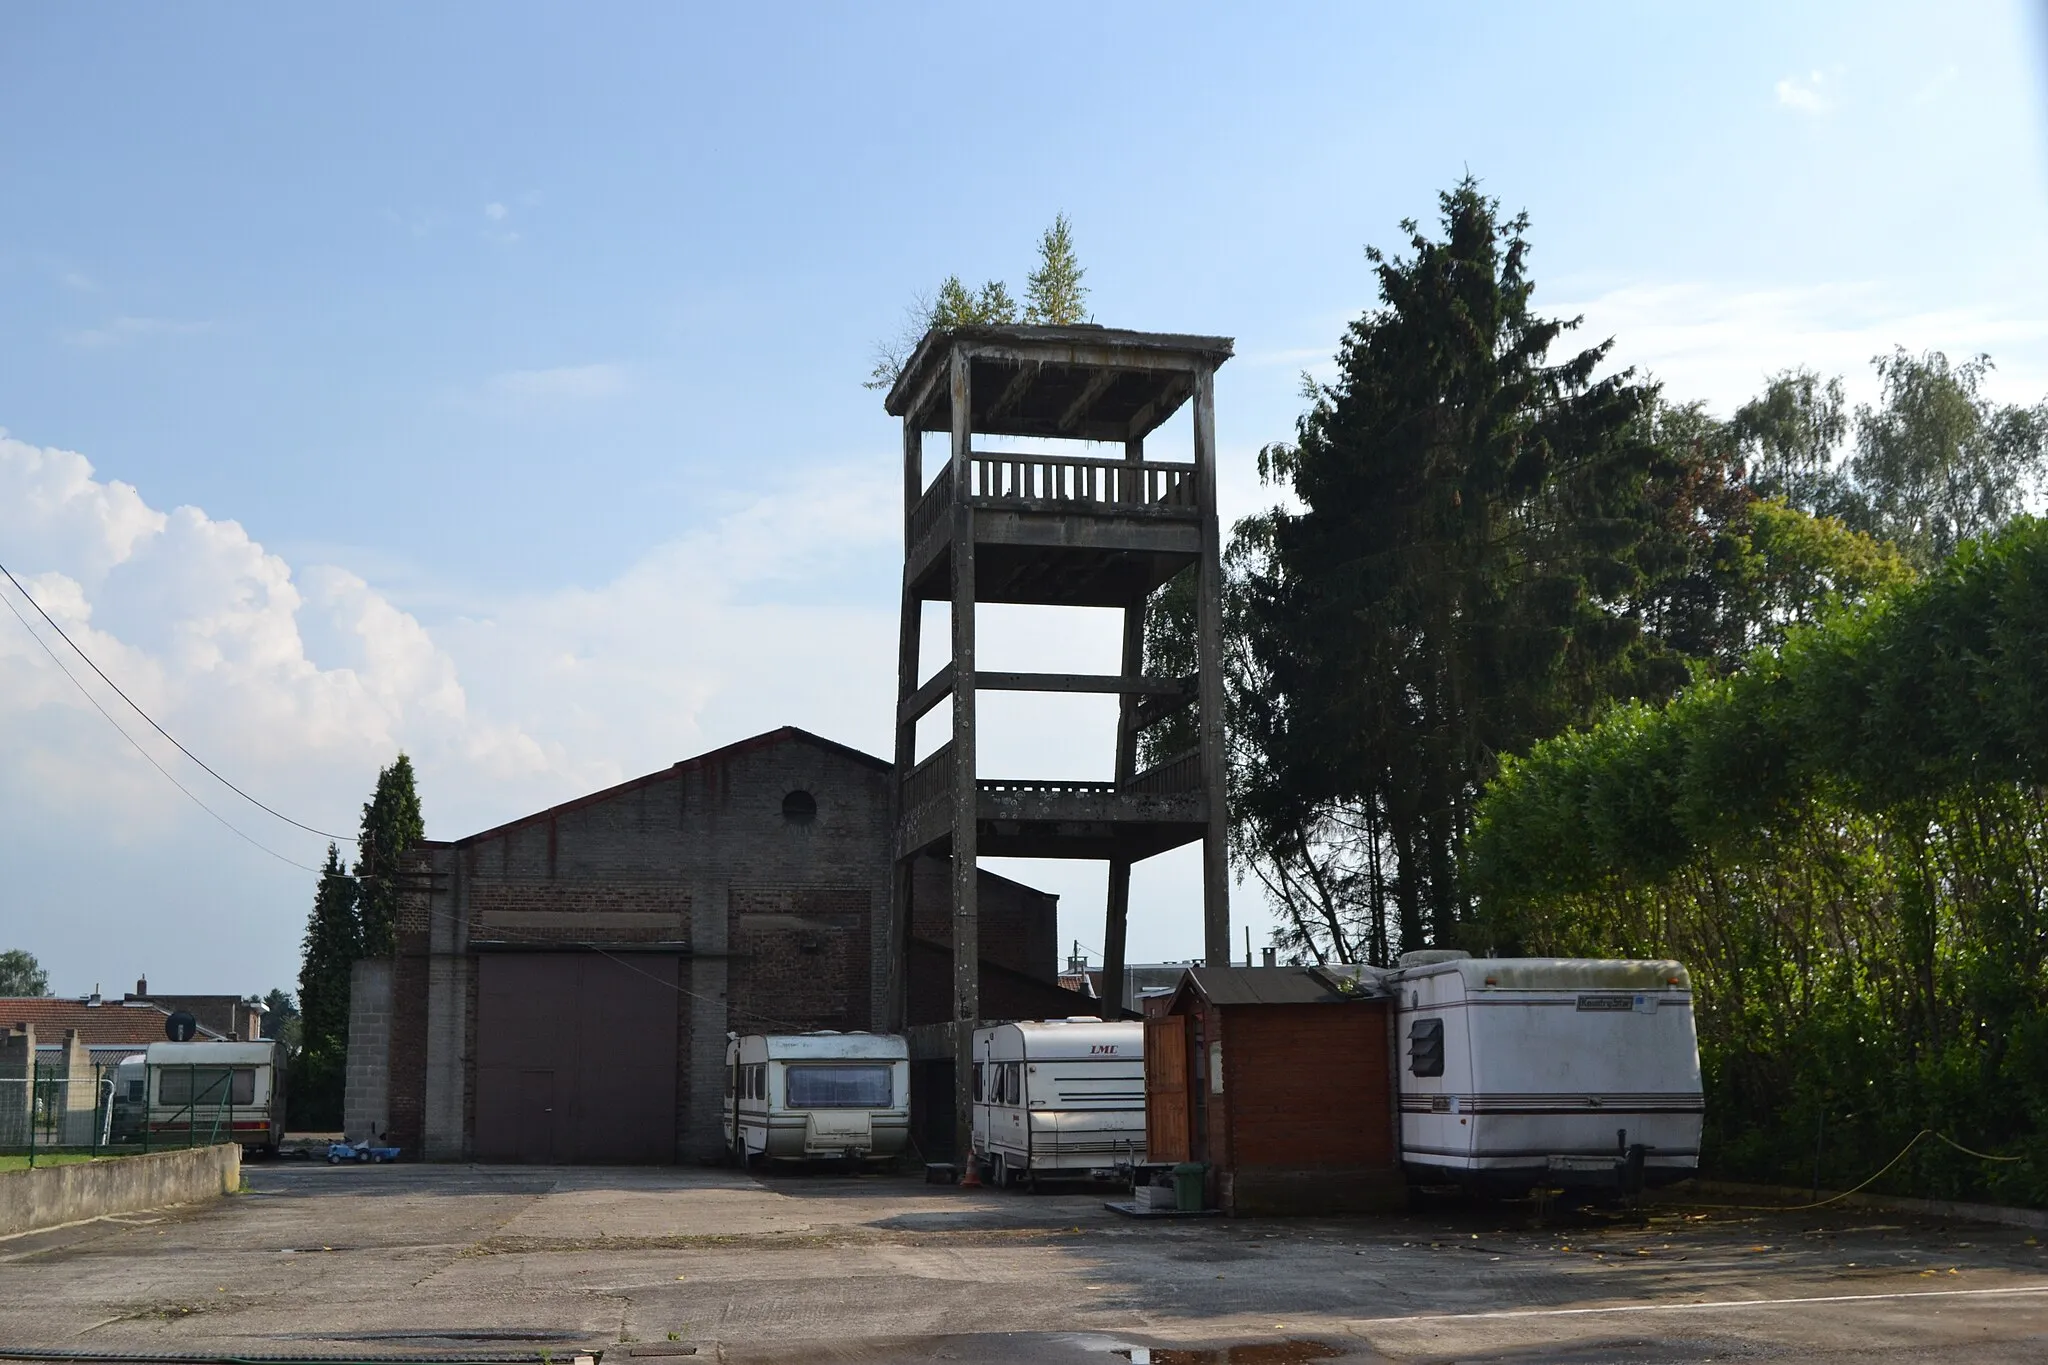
x,y
338,1152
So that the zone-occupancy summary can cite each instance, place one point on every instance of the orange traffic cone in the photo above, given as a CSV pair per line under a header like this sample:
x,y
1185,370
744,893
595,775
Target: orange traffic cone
x,y
970,1175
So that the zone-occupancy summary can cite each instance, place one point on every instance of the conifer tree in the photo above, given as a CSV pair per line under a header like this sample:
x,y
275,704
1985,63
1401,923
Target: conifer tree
x,y
1053,293
1449,589
391,826
332,944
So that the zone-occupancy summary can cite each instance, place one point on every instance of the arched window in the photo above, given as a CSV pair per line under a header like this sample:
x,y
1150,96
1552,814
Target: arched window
x,y
799,808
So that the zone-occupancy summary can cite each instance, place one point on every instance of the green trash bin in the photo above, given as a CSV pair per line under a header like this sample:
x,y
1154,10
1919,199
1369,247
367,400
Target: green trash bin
x,y
1188,1180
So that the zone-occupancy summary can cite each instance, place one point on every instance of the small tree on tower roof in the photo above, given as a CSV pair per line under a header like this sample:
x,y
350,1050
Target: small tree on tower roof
x,y
1053,293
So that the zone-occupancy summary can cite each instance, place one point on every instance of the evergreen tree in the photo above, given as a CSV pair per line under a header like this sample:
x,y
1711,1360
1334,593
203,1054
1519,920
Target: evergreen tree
x,y
1053,293
332,944
281,1019
1453,587
391,826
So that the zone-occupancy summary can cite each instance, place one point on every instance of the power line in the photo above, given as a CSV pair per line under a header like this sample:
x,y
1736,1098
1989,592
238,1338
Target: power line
x,y
73,678
152,723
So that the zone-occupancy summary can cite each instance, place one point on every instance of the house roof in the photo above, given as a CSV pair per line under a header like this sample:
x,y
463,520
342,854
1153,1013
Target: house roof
x,y
787,734
1276,986
107,1023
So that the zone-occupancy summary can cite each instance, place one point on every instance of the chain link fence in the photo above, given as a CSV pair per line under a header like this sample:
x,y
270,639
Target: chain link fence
x,y
67,1110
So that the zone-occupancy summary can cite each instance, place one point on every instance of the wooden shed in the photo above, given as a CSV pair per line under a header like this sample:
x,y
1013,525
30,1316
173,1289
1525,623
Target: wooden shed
x,y
1281,1080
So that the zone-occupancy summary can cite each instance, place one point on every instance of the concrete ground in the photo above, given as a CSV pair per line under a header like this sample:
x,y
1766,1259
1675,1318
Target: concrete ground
x,y
389,1260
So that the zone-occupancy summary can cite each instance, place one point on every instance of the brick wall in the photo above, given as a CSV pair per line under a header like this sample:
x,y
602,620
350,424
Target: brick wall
x,y
1019,923
783,922
800,958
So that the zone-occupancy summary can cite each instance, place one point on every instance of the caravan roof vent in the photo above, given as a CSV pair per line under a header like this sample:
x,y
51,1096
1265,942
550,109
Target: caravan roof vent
x,y
1429,957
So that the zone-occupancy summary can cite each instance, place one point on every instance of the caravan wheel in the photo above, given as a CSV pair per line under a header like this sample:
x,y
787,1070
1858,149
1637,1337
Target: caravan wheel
x,y
999,1172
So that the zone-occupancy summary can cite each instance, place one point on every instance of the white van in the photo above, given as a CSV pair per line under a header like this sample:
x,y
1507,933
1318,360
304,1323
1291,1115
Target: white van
x,y
810,1096
1060,1099
1564,1072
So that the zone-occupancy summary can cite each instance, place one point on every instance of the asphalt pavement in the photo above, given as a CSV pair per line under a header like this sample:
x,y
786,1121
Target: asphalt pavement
x,y
412,1260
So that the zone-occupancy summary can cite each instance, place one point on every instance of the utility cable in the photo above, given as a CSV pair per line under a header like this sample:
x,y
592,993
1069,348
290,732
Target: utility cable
x,y
1836,1198
168,776
152,722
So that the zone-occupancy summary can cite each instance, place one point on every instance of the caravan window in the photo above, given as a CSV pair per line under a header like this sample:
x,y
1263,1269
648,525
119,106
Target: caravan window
x,y
206,1085
1426,1047
980,1092
838,1087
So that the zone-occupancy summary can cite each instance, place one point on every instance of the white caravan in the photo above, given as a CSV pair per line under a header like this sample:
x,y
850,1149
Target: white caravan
x,y
1520,1072
810,1096
1058,1100
203,1091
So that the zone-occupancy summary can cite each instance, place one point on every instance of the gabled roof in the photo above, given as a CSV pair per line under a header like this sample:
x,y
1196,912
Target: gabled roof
x,y
107,1023
787,734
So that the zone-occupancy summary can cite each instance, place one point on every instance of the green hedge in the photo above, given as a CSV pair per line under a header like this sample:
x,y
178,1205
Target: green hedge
x,y
1848,843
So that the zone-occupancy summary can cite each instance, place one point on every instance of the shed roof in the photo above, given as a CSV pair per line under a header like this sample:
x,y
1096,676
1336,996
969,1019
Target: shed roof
x,y
1083,382
1277,986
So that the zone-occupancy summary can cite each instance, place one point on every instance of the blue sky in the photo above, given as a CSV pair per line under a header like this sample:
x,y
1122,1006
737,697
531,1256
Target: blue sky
x,y
505,360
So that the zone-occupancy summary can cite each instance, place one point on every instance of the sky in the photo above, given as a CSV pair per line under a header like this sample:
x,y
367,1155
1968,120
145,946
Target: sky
x,y
485,380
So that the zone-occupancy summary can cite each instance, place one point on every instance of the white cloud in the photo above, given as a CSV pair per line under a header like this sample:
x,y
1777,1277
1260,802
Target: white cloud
x,y
562,383
1809,96
298,681
495,212
126,329
1719,344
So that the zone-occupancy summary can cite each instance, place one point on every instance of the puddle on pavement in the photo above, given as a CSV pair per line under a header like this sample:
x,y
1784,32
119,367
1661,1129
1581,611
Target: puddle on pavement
x,y
1255,1353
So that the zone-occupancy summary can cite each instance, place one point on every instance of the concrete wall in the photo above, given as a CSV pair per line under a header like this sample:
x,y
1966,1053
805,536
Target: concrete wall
x,y
366,1095
49,1195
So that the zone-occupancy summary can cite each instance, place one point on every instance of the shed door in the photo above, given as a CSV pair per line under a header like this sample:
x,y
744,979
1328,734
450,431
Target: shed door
x,y
1169,1108
576,1057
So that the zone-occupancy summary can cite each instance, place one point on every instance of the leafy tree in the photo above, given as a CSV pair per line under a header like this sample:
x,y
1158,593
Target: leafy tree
x,y
1454,587
1938,462
1790,436
1053,293
21,974
391,826
1847,842
332,943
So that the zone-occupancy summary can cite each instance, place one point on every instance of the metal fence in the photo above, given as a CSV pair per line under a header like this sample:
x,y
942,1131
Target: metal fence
x,y
105,1108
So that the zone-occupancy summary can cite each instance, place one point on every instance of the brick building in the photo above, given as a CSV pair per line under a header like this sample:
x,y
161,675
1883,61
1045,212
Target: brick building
x,y
563,984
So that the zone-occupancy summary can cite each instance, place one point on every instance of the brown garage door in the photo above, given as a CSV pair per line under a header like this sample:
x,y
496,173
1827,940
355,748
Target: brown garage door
x,y
576,1057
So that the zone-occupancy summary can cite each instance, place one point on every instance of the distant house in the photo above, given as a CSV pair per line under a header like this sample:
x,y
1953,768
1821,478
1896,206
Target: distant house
x,y
563,984
226,1016
125,1025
